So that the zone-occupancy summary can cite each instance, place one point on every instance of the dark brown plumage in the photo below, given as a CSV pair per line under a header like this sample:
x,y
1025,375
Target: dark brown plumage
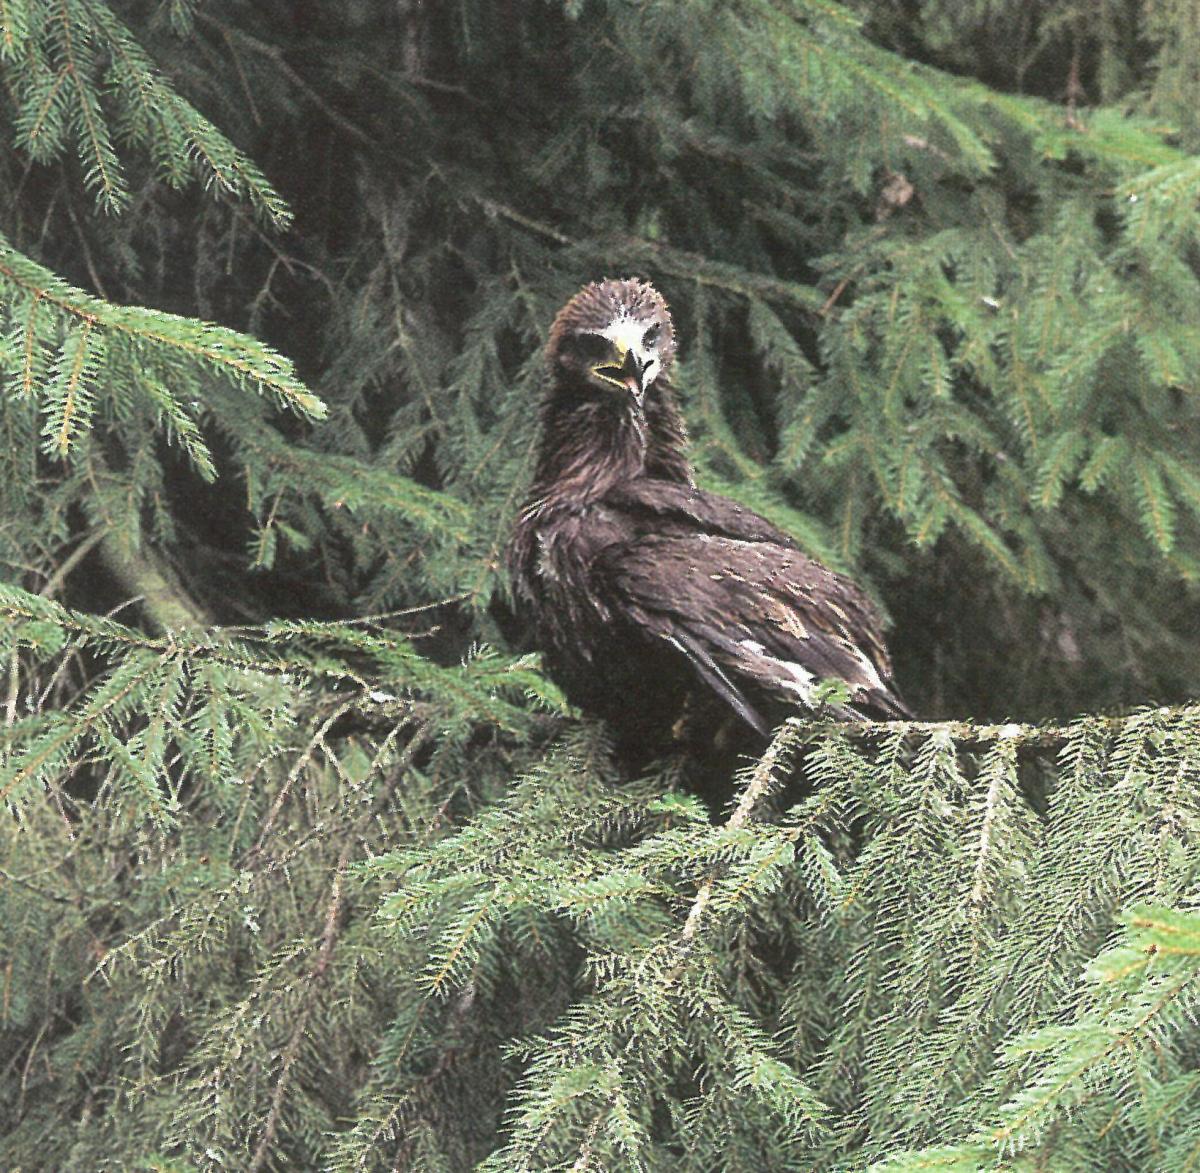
x,y
653,600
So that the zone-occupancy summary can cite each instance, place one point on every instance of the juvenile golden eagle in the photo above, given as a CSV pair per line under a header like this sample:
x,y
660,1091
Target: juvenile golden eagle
x,y
648,596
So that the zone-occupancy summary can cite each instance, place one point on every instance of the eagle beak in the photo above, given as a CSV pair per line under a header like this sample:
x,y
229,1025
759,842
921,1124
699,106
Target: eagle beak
x,y
627,371
633,371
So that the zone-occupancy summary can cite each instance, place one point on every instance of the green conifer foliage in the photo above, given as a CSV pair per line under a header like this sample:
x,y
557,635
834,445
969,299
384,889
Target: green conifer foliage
x,y
304,865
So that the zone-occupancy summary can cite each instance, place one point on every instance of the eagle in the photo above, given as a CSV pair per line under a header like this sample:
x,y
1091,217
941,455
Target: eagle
x,y
651,599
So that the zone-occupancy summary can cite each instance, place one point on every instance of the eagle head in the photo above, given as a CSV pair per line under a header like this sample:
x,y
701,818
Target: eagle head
x,y
614,336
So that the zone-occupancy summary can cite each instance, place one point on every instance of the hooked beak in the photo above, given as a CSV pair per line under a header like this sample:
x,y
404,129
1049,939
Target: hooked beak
x,y
627,371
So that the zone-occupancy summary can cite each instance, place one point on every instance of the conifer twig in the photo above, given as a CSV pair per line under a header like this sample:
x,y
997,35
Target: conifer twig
x,y
292,1051
678,262
966,732
757,788
63,571
297,769
274,54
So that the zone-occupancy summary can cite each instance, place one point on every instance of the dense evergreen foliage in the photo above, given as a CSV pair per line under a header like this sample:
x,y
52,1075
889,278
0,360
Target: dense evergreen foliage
x,y
304,865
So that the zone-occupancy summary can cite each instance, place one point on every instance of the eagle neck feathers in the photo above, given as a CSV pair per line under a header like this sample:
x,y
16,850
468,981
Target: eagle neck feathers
x,y
589,446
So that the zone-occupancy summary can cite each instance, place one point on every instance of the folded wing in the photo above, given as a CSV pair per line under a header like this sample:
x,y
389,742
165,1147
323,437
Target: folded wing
x,y
751,614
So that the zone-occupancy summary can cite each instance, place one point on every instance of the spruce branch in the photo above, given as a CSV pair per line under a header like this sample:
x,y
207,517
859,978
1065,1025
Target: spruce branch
x,y
313,989
272,53
237,357
301,763
759,782
150,581
102,169
55,582
968,733
678,262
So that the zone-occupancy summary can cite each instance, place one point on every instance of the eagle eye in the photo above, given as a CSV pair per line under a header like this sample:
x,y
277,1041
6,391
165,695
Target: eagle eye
x,y
590,347
651,337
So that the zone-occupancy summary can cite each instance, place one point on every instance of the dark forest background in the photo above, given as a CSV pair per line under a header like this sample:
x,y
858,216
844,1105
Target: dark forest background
x,y
304,865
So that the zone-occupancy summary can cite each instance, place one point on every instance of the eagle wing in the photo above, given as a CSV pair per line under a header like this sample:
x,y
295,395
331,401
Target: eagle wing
x,y
750,612
684,509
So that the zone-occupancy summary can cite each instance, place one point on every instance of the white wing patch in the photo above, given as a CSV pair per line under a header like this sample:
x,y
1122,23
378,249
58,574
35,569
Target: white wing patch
x,y
869,671
546,567
793,677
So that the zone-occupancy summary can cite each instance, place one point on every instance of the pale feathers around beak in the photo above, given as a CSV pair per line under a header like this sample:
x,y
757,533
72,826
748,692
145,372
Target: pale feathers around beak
x,y
630,362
